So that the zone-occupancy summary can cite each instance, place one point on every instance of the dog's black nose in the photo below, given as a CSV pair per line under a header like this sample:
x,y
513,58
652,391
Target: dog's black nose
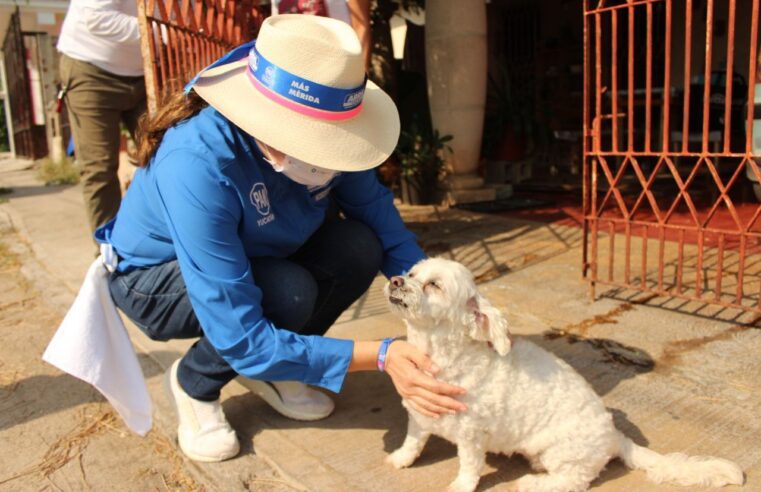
x,y
397,281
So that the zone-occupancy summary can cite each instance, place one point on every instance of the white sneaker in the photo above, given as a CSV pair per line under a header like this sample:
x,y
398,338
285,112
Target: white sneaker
x,y
202,431
291,399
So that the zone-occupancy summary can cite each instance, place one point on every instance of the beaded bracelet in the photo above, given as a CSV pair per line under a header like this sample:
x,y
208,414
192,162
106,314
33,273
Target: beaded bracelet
x,y
382,353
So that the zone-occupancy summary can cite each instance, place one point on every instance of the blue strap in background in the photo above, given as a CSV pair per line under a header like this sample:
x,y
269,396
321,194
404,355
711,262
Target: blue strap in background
x,y
236,54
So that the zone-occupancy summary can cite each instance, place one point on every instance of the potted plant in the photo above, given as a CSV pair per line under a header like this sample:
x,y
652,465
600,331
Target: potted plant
x,y
509,121
419,154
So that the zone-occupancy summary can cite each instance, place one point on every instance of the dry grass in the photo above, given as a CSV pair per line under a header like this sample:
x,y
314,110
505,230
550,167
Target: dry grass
x,y
7,258
69,446
4,191
57,173
9,381
177,478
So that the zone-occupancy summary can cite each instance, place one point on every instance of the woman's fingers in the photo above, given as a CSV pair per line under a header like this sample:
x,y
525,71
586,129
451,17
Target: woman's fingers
x,y
434,385
434,405
439,402
419,409
423,380
428,395
428,408
423,362
446,403
416,364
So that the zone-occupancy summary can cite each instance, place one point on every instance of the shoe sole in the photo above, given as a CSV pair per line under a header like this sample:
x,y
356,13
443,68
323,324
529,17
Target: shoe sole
x,y
270,395
173,404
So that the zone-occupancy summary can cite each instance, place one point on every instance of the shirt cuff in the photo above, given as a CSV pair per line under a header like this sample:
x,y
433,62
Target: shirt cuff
x,y
329,362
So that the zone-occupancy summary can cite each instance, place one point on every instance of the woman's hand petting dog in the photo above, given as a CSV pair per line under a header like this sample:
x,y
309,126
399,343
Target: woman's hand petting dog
x,y
412,373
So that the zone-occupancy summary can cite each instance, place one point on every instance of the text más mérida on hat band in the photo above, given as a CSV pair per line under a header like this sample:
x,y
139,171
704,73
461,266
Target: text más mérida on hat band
x,y
291,91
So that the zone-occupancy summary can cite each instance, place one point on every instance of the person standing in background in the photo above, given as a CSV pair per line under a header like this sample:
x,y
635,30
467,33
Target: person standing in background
x,y
102,84
356,13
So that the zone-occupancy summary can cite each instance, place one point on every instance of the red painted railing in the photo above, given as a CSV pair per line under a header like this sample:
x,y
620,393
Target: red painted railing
x,y
669,162
180,37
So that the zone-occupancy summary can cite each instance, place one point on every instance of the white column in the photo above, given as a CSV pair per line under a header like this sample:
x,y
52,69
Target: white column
x,y
456,58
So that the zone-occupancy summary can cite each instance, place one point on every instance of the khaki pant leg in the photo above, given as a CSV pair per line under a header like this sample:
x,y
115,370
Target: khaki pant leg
x,y
96,101
132,116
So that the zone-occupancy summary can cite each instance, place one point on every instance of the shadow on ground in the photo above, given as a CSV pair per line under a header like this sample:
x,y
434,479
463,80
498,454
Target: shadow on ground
x,y
491,246
27,191
26,399
698,309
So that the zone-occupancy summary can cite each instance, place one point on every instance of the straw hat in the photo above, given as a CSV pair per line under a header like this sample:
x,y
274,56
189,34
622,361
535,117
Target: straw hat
x,y
301,90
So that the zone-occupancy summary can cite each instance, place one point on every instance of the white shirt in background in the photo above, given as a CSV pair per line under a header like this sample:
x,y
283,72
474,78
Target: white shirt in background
x,y
337,9
104,33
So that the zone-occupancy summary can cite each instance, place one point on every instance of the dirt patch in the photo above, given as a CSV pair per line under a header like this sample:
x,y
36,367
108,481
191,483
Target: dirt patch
x,y
530,258
582,328
611,350
674,351
492,273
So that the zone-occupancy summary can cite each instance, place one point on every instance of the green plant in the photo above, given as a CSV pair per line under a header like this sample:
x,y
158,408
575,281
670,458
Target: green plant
x,y
509,105
4,143
57,173
421,160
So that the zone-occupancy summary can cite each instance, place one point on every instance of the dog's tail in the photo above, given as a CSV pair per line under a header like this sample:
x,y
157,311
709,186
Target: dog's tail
x,y
680,469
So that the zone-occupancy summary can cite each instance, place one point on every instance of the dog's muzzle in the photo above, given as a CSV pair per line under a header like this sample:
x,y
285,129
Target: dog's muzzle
x,y
396,292
396,300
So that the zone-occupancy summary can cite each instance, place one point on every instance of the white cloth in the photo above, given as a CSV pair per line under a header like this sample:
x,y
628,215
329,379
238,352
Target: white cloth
x,y
92,344
104,33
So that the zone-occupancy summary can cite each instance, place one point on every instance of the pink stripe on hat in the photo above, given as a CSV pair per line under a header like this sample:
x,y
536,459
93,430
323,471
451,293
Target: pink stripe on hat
x,y
299,108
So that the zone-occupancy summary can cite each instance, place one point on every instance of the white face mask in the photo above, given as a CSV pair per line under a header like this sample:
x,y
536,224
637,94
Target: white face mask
x,y
299,171
303,173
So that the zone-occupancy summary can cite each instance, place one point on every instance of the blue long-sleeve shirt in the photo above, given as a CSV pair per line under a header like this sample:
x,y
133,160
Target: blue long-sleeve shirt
x,y
209,200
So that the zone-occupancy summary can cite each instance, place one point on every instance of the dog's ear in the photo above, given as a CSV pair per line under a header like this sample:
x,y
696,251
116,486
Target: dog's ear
x,y
486,323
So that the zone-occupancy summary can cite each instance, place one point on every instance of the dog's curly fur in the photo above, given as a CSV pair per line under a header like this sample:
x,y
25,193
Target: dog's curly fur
x,y
521,399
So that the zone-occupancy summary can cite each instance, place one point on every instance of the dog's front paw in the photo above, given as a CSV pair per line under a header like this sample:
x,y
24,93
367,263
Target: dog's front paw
x,y
401,458
542,483
463,484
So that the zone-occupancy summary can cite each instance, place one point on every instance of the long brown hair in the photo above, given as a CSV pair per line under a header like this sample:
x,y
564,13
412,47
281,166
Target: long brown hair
x,y
151,129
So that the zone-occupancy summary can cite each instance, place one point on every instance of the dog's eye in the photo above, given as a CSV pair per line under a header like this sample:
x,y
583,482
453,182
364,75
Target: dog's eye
x,y
431,284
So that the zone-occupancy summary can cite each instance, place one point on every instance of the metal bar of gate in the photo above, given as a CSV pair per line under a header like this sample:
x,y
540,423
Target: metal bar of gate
x,y
684,193
181,37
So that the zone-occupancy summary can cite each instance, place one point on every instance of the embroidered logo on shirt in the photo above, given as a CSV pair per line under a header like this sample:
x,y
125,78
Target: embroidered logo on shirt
x,y
260,199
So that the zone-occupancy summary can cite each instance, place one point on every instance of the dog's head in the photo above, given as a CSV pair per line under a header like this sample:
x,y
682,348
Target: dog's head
x,y
438,291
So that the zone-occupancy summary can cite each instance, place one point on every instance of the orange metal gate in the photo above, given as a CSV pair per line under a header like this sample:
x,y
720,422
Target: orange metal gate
x,y
180,37
670,167
28,137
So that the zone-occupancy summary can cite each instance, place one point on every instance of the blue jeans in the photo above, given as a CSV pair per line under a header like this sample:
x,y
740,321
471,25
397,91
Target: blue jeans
x,y
305,292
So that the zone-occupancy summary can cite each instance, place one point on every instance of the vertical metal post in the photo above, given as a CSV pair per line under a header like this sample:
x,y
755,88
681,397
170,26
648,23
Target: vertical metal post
x,y
7,108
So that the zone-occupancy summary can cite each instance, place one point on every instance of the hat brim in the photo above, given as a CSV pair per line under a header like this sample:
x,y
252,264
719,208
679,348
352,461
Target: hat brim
x,y
361,142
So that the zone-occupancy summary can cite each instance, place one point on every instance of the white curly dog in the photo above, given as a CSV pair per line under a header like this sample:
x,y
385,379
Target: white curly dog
x,y
521,399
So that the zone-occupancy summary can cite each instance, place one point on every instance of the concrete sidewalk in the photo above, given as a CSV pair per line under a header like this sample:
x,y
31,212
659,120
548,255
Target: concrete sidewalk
x,y
674,381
